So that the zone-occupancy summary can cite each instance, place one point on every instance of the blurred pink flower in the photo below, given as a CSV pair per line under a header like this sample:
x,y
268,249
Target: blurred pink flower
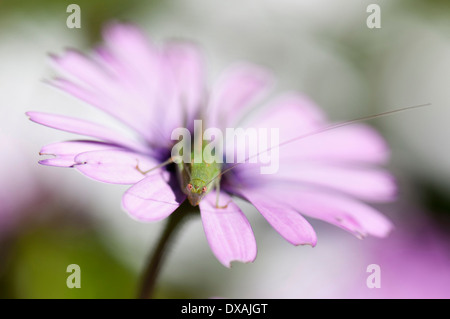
x,y
416,264
154,90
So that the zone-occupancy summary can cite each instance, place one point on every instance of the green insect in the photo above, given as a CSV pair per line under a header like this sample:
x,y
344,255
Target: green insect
x,y
198,179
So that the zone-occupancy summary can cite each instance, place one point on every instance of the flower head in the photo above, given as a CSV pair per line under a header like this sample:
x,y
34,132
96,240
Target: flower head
x,y
156,89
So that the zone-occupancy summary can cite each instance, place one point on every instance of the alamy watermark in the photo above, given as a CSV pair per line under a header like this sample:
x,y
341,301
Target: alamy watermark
x,y
374,19
73,21
374,279
74,279
235,145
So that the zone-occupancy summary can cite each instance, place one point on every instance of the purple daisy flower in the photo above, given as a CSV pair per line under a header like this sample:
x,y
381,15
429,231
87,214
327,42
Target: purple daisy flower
x,y
155,89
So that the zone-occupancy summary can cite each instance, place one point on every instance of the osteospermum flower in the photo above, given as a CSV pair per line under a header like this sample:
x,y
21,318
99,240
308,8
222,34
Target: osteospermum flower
x,y
155,89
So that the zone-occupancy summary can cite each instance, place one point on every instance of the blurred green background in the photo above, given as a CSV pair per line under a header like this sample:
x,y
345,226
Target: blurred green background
x,y
321,48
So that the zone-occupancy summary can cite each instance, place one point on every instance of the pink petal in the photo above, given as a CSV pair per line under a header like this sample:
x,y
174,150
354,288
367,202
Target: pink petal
x,y
83,127
188,69
151,199
134,81
97,85
129,45
292,114
235,92
353,143
296,115
371,184
349,214
114,166
284,219
125,79
79,91
65,152
147,81
82,69
144,81
228,231
124,101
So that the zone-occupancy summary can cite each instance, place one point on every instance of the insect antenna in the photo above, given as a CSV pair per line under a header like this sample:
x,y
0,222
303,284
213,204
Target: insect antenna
x,y
321,130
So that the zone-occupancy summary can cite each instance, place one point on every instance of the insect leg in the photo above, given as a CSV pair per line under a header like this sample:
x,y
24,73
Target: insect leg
x,y
169,161
217,187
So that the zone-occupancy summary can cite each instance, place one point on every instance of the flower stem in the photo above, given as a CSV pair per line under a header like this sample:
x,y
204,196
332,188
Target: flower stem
x,y
156,259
